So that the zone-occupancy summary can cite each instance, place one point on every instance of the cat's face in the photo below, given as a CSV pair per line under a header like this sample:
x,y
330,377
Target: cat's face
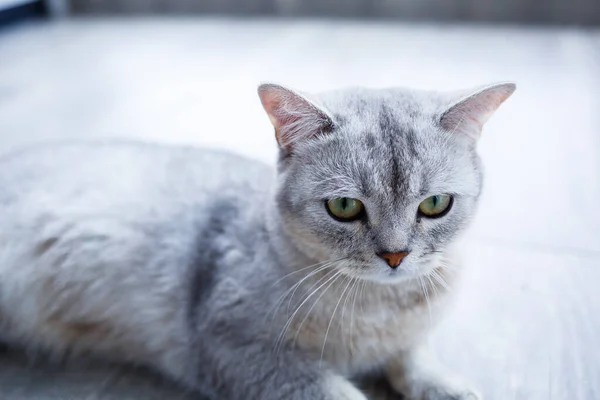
x,y
384,186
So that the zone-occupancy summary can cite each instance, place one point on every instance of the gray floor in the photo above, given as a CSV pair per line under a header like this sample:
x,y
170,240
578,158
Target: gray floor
x,y
527,322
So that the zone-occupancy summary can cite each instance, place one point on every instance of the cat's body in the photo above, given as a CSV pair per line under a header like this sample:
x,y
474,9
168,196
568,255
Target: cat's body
x,y
133,217
186,260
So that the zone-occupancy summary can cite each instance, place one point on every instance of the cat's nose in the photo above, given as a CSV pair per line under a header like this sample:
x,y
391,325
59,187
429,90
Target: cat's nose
x,y
393,259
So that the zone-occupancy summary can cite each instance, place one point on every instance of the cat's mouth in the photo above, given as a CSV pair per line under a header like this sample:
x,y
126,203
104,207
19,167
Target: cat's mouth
x,y
379,270
376,272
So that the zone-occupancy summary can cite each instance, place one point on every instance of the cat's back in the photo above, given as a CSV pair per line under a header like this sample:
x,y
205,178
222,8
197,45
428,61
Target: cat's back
x,y
124,172
92,233
138,195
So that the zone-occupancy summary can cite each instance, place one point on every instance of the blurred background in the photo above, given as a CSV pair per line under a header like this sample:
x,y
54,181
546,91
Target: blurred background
x,y
527,320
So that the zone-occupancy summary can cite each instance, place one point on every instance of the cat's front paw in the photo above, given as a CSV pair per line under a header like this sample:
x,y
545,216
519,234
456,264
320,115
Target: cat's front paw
x,y
434,388
418,376
339,388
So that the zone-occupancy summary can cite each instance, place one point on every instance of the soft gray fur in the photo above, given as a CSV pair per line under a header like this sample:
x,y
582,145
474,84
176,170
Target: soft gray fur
x,y
232,278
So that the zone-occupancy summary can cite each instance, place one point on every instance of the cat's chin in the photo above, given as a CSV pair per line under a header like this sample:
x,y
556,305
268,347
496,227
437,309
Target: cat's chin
x,y
390,276
393,280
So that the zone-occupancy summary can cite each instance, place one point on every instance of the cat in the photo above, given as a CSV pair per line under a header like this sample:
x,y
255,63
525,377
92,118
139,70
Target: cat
x,y
241,281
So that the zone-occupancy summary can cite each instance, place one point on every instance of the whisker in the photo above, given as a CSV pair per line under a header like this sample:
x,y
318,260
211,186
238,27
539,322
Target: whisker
x,y
331,321
446,265
312,307
353,281
358,287
431,283
295,286
305,268
309,289
281,337
426,293
362,295
321,279
440,279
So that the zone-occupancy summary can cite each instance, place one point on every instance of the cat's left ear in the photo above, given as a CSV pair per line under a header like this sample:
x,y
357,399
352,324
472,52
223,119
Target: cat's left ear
x,y
468,115
294,117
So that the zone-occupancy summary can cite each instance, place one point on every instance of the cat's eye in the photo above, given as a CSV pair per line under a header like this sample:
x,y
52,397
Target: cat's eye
x,y
436,206
345,209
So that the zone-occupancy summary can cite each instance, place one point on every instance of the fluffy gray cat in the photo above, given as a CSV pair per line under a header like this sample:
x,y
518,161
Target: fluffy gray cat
x,y
242,282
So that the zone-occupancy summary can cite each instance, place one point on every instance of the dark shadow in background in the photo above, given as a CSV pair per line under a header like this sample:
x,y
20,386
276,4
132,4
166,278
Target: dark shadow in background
x,y
555,12
22,12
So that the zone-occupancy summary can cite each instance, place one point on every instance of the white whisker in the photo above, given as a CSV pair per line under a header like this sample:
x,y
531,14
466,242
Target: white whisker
x,y
278,303
304,269
281,337
440,279
331,321
356,292
362,295
426,293
312,307
432,284
309,289
354,282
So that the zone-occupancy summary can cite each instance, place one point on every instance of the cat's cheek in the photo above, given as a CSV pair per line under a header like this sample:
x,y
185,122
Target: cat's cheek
x,y
310,244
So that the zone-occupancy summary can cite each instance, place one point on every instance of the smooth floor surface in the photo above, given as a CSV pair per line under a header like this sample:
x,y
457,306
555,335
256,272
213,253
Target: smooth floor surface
x,y
527,321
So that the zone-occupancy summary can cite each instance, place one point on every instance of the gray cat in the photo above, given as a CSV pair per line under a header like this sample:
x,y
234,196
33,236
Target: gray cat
x,y
243,283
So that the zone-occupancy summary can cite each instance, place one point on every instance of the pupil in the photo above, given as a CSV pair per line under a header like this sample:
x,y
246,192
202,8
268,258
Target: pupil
x,y
344,203
434,200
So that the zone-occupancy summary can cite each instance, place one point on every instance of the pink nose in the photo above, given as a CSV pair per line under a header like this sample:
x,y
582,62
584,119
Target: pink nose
x,y
393,259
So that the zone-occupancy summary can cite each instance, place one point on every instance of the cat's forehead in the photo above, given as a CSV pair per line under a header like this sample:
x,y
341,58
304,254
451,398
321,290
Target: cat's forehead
x,y
360,106
387,142
396,125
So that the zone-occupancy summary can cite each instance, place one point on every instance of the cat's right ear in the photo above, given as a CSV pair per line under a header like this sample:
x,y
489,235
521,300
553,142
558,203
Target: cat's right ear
x,y
294,117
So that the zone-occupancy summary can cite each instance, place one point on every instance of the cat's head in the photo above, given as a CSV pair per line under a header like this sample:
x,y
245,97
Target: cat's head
x,y
384,180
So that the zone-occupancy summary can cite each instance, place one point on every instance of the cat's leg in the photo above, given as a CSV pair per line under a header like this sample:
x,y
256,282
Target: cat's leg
x,y
256,372
417,375
339,388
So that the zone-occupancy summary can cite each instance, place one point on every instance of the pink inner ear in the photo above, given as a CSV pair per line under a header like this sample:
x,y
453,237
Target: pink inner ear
x,y
293,117
470,114
271,104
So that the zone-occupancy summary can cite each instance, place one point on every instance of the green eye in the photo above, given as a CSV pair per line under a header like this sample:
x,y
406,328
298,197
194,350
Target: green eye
x,y
436,206
345,209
